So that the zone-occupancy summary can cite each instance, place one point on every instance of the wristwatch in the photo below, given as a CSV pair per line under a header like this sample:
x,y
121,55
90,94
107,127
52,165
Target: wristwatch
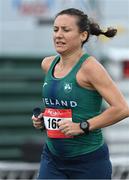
x,y
85,127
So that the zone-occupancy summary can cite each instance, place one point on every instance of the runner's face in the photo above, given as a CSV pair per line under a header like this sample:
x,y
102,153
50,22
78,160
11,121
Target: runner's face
x,y
67,37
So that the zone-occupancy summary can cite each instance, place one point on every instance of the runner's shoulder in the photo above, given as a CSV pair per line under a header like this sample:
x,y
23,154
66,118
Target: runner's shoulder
x,y
46,63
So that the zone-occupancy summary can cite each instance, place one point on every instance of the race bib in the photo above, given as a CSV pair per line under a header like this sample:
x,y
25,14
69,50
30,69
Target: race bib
x,y
51,117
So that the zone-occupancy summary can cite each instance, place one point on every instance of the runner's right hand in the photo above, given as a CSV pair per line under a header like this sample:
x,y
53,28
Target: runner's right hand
x,y
38,121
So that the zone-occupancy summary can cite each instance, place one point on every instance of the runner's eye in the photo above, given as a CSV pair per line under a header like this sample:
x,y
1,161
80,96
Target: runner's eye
x,y
66,30
55,29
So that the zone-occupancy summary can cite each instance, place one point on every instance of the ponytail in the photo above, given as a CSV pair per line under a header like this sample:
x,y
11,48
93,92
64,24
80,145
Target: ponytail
x,y
95,30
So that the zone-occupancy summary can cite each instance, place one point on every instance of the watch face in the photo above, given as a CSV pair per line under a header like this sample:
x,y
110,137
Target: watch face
x,y
84,125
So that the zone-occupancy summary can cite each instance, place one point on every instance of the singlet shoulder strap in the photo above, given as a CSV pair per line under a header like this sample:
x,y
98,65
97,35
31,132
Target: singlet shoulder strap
x,y
54,62
82,59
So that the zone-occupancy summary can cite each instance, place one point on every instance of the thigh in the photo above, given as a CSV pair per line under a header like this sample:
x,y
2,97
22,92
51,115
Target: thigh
x,y
98,170
95,165
48,168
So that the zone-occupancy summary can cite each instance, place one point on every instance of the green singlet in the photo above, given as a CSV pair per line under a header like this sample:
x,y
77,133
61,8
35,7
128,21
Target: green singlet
x,y
66,93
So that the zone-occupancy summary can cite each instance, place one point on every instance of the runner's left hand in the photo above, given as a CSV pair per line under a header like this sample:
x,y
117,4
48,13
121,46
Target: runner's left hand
x,y
70,128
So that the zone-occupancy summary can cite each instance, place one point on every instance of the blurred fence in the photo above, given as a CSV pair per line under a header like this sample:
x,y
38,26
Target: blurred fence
x,y
18,170
29,170
120,167
20,91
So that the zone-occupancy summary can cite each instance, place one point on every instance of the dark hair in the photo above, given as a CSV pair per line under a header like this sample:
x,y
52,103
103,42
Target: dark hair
x,y
85,24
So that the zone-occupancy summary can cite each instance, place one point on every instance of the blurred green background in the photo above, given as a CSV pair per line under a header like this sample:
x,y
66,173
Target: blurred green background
x,y
20,91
